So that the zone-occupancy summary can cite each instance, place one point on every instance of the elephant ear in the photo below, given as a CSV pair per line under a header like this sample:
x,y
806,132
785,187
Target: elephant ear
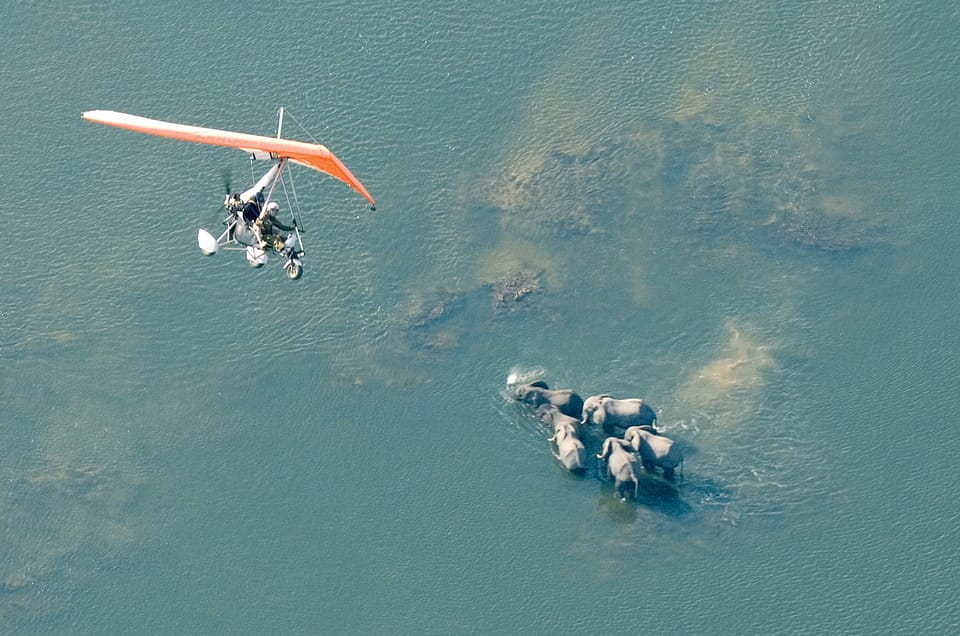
x,y
599,415
586,411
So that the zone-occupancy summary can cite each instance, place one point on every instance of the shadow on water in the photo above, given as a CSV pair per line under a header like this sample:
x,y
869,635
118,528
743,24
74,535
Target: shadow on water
x,y
654,495
610,505
663,501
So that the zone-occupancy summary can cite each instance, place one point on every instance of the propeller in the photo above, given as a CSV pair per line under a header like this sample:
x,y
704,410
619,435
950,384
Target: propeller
x,y
225,175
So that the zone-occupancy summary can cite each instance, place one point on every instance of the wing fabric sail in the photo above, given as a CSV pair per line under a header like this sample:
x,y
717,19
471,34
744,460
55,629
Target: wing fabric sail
x,y
313,156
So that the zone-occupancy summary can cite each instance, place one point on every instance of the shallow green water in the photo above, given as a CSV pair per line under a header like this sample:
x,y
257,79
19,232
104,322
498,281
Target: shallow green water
x,y
743,214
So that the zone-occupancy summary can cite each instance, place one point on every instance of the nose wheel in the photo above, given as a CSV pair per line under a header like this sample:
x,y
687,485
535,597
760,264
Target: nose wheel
x,y
294,269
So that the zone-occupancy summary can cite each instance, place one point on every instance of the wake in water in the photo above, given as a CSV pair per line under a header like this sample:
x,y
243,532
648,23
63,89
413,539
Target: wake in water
x,y
753,456
524,375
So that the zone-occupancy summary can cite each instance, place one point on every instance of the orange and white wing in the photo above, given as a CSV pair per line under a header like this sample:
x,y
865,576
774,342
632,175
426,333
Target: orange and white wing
x,y
314,156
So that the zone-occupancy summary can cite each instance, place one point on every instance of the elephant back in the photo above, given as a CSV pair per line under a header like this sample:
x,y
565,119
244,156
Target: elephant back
x,y
568,402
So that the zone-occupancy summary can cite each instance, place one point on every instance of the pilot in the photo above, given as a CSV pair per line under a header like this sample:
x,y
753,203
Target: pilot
x,y
233,203
268,224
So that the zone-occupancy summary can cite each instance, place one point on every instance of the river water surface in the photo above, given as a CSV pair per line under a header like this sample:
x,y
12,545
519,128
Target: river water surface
x,y
744,213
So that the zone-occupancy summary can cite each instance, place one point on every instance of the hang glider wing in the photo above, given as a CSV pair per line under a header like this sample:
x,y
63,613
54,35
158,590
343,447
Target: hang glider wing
x,y
314,156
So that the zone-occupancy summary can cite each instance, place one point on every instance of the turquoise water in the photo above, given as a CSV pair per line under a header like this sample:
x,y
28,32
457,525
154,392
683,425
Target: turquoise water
x,y
742,213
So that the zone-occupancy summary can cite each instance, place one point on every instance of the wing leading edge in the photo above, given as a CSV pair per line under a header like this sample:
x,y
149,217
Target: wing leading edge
x,y
313,156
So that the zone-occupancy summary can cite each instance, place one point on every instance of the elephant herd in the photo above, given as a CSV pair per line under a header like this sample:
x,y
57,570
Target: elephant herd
x,y
629,427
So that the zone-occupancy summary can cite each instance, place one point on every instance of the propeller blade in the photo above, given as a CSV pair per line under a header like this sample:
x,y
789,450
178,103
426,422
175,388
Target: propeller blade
x,y
225,175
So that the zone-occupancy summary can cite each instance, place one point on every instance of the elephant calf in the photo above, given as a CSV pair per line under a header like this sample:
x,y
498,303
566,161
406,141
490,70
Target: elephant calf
x,y
654,450
615,416
570,449
553,417
619,460
538,393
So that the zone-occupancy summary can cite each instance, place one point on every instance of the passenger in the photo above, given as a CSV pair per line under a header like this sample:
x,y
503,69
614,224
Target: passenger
x,y
252,208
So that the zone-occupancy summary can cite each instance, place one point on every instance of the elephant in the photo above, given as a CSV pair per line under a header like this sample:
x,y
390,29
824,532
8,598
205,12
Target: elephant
x,y
553,417
619,460
654,449
538,393
613,414
570,449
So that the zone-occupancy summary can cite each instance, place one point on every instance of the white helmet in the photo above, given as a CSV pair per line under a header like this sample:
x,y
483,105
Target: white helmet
x,y
272,207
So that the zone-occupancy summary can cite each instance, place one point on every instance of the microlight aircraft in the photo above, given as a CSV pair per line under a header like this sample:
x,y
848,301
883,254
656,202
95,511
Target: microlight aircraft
x,y
251,216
